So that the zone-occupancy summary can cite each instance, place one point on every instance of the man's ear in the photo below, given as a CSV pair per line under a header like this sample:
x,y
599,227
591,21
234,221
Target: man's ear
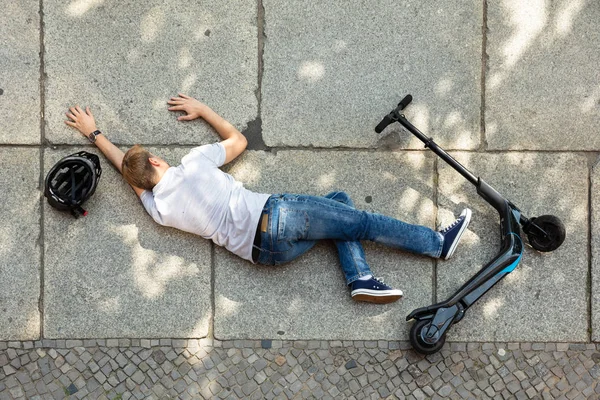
x,y
154,161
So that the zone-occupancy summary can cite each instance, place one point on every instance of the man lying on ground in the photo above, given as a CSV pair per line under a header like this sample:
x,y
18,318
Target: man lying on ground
x,y
198,197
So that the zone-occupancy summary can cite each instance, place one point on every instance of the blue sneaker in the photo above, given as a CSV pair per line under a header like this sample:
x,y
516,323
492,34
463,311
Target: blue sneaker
x,y
453,232
374,291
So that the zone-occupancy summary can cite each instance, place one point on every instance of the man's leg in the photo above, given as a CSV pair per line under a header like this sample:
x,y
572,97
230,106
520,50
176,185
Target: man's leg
x,y
297,221
352,254
304,217
363,286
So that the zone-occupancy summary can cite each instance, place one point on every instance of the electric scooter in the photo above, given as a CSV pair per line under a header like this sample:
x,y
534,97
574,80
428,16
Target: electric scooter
x,y
545,233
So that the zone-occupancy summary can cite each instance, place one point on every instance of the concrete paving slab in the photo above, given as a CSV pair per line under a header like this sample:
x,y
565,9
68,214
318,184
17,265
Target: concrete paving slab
x,y
595,239
116,273
333,70
542,88
20,72
544,299
126,59
308,298
19,246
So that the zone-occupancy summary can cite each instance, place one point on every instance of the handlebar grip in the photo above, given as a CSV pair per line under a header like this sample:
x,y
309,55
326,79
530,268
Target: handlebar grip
x,y
384,122
405,101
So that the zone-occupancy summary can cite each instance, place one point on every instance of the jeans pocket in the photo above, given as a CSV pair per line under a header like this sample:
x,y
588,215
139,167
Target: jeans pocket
x,y
292,225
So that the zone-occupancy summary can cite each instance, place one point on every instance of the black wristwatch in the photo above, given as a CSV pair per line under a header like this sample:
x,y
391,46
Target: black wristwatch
x,y
92,136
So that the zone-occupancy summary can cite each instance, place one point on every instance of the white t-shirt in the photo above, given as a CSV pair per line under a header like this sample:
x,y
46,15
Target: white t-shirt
x,y
198,197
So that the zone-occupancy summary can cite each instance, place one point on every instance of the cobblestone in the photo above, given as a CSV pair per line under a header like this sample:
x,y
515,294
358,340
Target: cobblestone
x,y
168,368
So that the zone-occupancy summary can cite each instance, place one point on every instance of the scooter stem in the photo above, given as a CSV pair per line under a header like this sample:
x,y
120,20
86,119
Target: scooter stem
x,y
429,143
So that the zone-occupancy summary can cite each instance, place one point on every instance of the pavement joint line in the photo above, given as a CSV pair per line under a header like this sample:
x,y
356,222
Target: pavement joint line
x,y
427,151
41,245
211,321
63,146
42,175
20,145
590,252
253,130
484,66
260,27
436,178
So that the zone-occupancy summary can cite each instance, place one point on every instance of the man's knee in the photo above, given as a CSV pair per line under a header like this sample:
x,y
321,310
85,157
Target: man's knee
x,y
341,197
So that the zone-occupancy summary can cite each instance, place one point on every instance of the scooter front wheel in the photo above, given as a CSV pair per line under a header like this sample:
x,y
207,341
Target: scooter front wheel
x,y
417,342
555,230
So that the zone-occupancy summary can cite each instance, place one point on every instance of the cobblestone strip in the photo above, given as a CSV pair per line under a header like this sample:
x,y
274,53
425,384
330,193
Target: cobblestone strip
x,y
247,369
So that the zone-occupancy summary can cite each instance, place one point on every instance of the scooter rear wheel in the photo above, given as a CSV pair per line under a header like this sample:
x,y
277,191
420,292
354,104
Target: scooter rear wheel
x,y
555,229
417,342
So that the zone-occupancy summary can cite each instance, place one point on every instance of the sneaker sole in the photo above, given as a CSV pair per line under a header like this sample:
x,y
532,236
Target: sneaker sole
x,y
380,298
460,233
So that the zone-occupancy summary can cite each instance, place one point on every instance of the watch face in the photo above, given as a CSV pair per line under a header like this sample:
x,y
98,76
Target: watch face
x,y
92,137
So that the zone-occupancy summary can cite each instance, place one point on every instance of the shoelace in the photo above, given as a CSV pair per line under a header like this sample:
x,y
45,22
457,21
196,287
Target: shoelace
x,y
452,225
380,280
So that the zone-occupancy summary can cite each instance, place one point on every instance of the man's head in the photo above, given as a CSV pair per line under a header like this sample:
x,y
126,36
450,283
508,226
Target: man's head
x,y
141,168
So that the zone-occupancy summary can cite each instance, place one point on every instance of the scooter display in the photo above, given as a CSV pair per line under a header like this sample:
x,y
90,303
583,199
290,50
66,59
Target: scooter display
x,y
544,233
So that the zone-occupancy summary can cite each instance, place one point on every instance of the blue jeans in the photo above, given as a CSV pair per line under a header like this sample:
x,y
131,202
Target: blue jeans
x,y
296,222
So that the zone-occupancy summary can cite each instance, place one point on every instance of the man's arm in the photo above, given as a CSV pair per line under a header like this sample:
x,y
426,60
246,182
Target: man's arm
x,y
85,123
233,140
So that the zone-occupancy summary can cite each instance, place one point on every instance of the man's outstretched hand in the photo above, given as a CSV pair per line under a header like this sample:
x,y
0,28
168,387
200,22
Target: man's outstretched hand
x,y
192,107
81,120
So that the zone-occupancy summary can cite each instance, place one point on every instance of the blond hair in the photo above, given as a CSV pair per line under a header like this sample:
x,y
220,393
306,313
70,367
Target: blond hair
x,y
136,168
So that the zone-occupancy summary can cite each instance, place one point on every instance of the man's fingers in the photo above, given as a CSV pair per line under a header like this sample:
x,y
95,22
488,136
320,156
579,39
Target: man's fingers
x,y
71,116
175,102
70,123
176,108
88,111
183,95
73,111
79,110
185,118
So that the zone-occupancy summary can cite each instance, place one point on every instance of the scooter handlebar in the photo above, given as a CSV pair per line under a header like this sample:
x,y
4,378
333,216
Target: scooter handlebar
x,y
384,122
404,102
388,119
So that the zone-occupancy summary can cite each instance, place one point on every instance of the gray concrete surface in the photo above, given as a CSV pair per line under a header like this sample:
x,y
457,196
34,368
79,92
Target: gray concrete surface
x,y
308,298
19,243
541,91
595,284
125,60
20,72
116,273
542,299
503,81
334,70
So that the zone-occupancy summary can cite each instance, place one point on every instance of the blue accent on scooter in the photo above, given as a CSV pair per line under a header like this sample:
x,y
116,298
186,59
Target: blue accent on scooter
x,y
512,266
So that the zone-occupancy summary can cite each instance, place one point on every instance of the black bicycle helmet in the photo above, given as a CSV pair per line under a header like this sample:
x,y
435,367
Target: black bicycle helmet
x,y
72,181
